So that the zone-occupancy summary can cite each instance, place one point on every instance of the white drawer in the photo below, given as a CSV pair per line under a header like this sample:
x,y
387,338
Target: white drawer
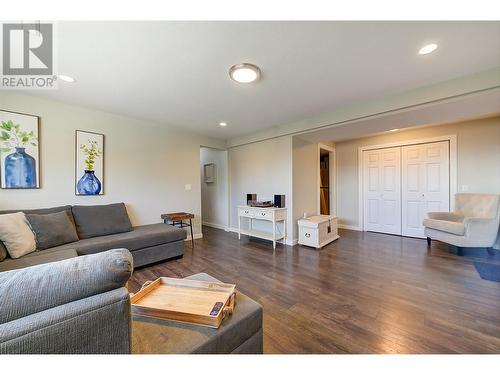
x,y
246,212
265,215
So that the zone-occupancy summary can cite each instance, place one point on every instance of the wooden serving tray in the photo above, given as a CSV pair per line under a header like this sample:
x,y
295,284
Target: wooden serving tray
x,y
189,301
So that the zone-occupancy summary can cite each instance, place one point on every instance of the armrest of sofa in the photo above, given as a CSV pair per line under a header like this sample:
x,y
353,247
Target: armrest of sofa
x,y
447,216
485,228
33,289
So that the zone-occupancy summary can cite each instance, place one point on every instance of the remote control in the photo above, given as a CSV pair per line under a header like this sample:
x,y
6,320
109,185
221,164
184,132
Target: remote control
x,y
216,309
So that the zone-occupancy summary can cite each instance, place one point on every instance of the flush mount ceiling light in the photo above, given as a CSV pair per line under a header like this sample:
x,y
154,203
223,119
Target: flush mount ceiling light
x,y
222,124
393,130
244,73
66,78
428,49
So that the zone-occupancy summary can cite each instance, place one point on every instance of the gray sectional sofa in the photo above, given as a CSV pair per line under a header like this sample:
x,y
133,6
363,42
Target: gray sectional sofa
x,y
101,228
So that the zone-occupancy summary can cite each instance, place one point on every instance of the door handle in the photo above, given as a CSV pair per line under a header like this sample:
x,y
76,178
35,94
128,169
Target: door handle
x,y
308,235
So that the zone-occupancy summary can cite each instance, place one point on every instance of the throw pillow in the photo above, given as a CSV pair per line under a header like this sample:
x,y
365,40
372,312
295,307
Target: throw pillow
x,y
16,234
52,229
3,251
101,220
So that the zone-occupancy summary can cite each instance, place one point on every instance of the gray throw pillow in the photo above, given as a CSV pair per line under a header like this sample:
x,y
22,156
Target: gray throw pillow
x,y
3,251
52,229
101,220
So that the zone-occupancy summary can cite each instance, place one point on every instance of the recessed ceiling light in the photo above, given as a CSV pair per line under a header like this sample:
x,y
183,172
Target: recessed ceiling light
x,y
393,130
428,49
222,124
66,78
244,73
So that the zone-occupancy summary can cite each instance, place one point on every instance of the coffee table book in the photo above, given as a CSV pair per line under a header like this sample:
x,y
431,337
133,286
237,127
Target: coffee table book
x,y
189,301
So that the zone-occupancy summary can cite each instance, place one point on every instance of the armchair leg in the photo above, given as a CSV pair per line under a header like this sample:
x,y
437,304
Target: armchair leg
x,y
460,251
490,251
428,241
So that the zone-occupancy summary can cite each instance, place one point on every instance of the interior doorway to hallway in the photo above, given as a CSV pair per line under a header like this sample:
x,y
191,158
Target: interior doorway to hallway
x,y
214,187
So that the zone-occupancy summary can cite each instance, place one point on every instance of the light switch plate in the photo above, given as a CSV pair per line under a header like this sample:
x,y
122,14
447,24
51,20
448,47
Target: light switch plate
x,y
187,187
465,187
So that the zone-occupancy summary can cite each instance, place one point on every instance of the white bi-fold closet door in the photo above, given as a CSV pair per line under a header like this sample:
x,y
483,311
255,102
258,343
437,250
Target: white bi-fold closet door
x,y
426,184
382,190
401,184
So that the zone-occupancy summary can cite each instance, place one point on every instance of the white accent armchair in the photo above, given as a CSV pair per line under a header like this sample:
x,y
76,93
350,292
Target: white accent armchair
x,y
474,223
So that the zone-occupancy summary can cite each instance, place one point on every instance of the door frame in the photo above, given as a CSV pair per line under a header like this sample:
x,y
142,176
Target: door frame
x,y
452,139
332,176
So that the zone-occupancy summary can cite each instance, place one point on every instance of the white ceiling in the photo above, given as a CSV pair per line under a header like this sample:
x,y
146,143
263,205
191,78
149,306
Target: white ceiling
x,y
176,73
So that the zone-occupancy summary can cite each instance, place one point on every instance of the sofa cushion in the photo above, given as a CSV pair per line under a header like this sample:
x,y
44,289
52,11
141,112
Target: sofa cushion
x,y
139,238
39,211
38,257
43,211
16,234
52,229
101,220
452,227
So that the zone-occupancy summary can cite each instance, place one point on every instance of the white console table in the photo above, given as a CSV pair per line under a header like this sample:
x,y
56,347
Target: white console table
x,y
271,214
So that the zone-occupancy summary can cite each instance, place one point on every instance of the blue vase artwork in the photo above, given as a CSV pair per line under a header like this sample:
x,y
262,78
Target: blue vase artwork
x,y
89,154
89,184
16,143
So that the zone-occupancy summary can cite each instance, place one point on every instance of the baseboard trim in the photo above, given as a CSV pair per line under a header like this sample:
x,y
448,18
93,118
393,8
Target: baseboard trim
x,y
215,225
196,236
350,227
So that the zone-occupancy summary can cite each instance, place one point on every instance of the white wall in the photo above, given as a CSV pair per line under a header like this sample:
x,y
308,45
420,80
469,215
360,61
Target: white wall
x,y
478,153
264,168
146,164
214,197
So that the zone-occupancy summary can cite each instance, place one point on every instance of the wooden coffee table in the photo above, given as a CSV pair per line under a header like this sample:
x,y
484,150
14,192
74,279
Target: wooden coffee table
x,y
176,219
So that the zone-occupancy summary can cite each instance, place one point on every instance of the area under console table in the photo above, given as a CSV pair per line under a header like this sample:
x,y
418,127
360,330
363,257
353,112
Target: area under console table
x,y
270,214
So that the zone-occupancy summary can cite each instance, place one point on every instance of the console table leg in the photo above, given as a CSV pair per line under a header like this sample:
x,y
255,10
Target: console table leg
x,y
239,227
274,235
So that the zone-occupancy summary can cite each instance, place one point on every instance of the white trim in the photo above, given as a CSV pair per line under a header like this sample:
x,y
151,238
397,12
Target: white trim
x,y
215,225
350,227
196,236
452,138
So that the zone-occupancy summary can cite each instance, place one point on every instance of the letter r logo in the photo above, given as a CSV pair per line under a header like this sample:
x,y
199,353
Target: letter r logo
x,y
27,49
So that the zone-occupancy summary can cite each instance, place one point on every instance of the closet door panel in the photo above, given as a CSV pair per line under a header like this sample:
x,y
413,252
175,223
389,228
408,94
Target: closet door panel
x,y
382,190
425,184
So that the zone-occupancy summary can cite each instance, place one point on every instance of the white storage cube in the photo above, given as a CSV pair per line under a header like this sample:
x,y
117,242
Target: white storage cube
x,y
318,231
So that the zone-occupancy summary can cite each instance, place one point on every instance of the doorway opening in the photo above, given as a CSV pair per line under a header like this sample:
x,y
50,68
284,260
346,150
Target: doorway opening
x,y
326,180
214,187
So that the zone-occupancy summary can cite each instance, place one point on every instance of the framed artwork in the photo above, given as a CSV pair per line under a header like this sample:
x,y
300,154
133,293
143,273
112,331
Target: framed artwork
x,y
89,166
209,172
19,151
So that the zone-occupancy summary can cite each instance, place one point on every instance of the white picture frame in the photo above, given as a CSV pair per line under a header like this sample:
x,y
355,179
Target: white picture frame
x,y
209,173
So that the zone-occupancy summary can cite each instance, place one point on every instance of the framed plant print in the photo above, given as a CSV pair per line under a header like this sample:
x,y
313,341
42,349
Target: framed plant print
x,y
89,166
19,151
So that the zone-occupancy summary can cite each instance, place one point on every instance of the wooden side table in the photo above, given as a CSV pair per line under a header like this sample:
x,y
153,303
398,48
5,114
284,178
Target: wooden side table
x,y
176,219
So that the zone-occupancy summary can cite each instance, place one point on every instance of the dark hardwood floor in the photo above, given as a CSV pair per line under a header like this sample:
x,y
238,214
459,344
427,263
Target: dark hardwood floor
x,y
364,293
